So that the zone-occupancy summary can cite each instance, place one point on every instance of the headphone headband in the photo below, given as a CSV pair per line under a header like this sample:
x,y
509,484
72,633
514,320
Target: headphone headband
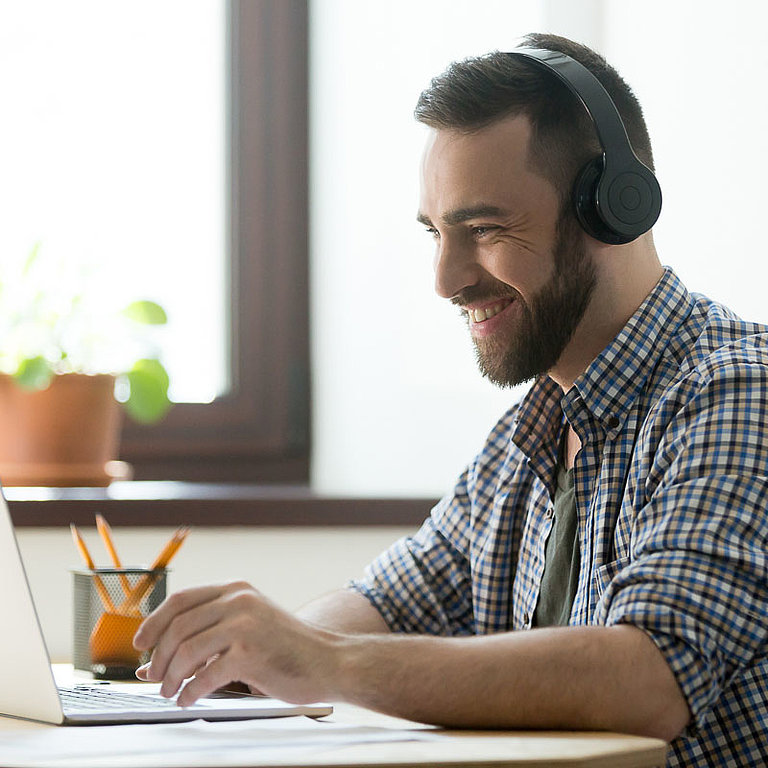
x,y
617,198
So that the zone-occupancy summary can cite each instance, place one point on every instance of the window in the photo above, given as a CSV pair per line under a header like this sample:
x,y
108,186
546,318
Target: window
x,y
170,140
259,430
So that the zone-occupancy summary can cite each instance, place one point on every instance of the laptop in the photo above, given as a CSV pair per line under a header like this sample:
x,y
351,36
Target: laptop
x,y
28,688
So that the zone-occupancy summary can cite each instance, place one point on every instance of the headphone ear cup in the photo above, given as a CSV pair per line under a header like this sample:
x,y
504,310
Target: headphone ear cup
x,y
630,200
586,206
616,209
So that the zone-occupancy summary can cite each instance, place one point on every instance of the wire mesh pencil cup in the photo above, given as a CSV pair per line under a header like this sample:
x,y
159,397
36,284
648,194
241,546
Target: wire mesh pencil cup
x,y
109,606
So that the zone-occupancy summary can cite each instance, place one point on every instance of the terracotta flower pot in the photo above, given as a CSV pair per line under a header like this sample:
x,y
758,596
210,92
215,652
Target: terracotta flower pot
x,y
65,435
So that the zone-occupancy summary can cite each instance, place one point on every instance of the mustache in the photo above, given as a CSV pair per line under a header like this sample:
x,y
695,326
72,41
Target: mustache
x,y
479,294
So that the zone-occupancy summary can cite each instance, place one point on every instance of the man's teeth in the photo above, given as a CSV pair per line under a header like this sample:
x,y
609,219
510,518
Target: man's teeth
x,y
481,315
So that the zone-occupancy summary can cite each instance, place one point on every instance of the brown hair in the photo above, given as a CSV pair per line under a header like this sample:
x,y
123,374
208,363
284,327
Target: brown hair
x,y
476,92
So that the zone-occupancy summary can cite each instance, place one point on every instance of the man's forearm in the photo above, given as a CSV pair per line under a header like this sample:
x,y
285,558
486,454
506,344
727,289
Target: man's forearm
x,y
343,611
593,678
610,678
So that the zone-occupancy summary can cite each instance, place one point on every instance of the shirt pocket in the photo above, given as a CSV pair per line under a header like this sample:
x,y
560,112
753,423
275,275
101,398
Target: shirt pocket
x,y
606,573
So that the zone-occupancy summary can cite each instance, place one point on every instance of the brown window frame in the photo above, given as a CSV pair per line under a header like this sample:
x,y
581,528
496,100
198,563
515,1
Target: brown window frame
x,y
259,431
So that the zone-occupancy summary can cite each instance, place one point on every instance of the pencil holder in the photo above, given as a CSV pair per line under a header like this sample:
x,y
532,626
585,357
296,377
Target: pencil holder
x,y
109,606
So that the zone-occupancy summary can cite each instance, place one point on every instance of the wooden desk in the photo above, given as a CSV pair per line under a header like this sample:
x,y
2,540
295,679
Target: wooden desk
x,y
451,748
516,749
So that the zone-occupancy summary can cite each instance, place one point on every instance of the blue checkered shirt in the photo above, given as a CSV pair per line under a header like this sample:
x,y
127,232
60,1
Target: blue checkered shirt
x,y
672,491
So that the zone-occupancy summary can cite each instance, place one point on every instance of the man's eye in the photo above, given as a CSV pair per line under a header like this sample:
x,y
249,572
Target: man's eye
x,y
480,231
432,232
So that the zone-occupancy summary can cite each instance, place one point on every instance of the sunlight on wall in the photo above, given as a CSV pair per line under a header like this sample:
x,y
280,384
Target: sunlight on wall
x,y
703,93
398,404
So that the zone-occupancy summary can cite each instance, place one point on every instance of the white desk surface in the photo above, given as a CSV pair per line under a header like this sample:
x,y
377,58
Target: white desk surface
x,y
24,743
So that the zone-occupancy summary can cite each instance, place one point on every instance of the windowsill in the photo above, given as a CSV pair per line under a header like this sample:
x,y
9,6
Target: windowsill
x,y
161,503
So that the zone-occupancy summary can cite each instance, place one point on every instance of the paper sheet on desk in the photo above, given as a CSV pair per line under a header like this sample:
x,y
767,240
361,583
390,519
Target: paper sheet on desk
x,y
185,744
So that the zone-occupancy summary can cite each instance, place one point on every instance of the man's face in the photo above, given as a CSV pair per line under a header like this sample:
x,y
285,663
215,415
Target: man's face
x,y
504,253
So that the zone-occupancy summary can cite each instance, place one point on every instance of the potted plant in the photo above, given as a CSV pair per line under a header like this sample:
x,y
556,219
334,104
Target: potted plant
x,y
69,358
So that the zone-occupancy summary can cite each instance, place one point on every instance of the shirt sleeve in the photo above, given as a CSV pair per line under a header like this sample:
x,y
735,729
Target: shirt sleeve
x,y
696,578
422,583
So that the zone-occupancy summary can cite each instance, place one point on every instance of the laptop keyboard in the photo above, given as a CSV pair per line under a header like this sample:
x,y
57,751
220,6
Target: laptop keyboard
x,y
91,699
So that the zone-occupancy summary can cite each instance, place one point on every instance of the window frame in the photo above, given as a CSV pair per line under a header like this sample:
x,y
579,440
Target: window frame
x,y
259,431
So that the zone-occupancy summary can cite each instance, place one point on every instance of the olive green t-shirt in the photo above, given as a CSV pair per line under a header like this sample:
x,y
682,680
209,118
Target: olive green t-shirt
x,y
561,557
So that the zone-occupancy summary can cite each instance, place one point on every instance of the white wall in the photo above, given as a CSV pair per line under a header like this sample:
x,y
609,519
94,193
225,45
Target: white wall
x,y
290,565
699,67
399,406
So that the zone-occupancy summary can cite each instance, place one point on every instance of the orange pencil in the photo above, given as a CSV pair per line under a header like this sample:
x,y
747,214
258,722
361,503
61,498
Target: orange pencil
x,y
106,534
171,547
86,555
131,603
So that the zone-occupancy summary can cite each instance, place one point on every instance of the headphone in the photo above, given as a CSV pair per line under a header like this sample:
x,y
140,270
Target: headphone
x,y
617,198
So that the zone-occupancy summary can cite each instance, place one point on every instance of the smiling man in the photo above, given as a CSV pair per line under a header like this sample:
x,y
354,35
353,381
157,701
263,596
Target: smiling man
x,y
517,266
603,562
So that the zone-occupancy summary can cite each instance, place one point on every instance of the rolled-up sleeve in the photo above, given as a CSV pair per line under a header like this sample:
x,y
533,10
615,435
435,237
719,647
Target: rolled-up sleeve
x,y
696,578
422,583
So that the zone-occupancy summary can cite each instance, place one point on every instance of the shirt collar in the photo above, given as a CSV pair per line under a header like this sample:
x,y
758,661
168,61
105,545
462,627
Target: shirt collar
x,y
613,379
619,373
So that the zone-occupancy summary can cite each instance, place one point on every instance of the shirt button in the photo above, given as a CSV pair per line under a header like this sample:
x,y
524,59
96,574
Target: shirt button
x,y
526,621
613,422
550,513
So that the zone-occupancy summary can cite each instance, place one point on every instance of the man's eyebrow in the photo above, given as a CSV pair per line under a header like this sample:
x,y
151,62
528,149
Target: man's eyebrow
x,y
460,215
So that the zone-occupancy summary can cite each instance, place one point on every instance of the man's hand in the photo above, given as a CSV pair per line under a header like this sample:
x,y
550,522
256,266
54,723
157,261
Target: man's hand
x,y
217,634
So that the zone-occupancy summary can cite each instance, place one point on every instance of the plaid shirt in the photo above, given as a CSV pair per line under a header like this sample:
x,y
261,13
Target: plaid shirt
x,y
672,490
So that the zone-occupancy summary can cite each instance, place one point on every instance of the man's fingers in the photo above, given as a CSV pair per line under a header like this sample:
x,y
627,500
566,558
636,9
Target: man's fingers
x,y
142,673
190,658
156,624
191,635
182,630
213,676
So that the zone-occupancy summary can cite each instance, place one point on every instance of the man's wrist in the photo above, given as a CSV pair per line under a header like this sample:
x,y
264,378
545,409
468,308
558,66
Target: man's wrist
x,y
335,660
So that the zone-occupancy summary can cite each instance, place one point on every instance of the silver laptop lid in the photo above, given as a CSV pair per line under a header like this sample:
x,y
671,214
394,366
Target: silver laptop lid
x,y
28,688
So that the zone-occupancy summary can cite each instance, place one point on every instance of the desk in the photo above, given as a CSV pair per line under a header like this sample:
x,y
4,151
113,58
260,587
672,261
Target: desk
x,y
492,749
205,745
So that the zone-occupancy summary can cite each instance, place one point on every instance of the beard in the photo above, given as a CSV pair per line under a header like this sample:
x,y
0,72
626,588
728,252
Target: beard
x,y
547,324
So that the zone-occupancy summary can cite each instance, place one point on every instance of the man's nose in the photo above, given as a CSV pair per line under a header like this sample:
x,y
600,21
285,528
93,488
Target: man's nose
x,y
455,269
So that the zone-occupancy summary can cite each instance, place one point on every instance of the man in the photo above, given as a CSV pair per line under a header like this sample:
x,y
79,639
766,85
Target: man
x,y
624,496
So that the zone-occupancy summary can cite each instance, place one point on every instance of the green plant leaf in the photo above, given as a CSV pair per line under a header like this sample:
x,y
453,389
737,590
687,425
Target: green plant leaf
x,y
148,398
34,373
31,259
147,312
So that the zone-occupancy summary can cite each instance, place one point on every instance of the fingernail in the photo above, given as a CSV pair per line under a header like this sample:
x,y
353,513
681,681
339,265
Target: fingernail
x,y
167,690
141,672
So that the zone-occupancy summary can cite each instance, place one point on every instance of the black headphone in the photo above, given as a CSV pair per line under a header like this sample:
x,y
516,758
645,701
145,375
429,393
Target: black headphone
x,y
616,197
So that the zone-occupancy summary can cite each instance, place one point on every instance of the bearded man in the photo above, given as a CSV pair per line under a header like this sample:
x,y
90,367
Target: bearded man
x,y
603,562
